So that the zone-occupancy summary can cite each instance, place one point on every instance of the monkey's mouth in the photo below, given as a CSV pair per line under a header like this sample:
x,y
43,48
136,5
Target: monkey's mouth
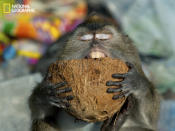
x,y
97,53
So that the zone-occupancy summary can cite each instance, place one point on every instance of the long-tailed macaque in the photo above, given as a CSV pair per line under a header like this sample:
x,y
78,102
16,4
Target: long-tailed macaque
x,y
98,37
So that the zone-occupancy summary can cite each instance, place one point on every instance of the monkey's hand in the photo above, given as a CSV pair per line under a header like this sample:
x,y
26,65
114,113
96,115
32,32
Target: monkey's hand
x,y
52,92
131,84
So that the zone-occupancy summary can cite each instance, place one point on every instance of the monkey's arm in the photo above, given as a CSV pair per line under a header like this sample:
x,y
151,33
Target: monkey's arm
x,y
44,103
41,125
143,114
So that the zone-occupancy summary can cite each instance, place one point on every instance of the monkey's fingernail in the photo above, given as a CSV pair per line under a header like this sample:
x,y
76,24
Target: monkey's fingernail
x,y
108,83
129,65
113,75
61,84
110,90
115,97
68,89
69,98
64,83
67,105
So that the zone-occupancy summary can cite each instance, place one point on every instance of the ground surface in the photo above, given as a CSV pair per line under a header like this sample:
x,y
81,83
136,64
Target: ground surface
x,y
15,115
14,112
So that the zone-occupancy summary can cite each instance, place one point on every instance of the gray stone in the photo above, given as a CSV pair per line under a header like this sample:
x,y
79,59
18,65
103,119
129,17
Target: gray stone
x,y
15,114
167,117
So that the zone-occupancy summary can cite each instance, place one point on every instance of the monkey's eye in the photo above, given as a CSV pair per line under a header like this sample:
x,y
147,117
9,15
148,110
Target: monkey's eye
x,y
103,36
87,37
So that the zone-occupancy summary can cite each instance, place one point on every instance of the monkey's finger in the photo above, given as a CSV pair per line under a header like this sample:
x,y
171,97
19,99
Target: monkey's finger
x,y
69,97
114,83
113,90
60,102
63,99
54,86
120,76
58,85
60,105
124,94
65,90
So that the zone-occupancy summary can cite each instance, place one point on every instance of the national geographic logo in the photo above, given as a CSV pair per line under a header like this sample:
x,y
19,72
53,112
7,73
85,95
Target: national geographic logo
x,y
6,8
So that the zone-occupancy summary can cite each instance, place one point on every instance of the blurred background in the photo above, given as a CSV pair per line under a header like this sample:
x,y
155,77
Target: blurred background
x,y
29,29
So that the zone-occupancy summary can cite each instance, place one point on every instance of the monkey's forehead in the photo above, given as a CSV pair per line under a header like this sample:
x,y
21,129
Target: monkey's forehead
x,y
96,21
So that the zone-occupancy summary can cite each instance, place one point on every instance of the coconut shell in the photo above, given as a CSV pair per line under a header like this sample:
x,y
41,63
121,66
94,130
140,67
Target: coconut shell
x,y
88,78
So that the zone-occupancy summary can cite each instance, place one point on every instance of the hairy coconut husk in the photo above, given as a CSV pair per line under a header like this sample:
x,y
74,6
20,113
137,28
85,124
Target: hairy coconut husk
x,y
87,78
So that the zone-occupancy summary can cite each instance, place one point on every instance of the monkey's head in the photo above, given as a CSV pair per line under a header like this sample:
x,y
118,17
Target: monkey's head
x,y
99,37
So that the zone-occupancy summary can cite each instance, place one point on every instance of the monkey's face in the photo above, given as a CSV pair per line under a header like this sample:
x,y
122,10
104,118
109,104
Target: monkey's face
x,y
95,38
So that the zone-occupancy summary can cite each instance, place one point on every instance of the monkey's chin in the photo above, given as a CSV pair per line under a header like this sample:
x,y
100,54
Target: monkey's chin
x,y
95,54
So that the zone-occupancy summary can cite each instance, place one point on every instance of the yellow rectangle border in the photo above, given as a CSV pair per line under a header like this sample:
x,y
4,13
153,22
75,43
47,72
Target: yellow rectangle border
x,y
6,5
